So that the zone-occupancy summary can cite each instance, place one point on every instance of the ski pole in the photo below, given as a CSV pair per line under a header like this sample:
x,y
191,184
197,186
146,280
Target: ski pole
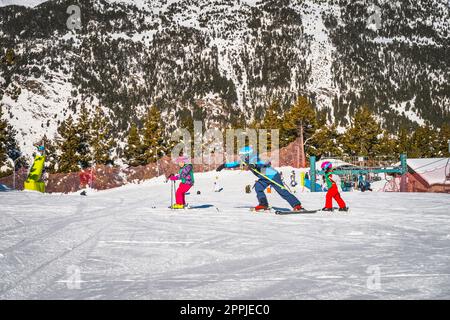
x,y
171,194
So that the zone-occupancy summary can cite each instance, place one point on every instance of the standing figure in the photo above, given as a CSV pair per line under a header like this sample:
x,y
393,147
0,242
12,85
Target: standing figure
x,y
333,191
186,175
293,180
361,183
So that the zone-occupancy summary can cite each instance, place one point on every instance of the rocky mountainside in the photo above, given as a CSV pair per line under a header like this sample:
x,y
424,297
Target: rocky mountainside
x,y
222,61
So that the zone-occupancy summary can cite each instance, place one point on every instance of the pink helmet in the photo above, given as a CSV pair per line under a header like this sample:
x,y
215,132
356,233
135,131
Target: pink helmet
x,y
326,165
183,159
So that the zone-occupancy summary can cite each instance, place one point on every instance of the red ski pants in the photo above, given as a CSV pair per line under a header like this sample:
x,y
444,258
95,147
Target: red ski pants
x,y
181,191
333,192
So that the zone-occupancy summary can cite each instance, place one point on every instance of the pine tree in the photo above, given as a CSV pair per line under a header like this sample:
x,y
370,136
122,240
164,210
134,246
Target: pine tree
x,y
153,141
12,147
134,149
300,121
424,143
443,141
51,157
272,118
83,131
326,142
402,143
101,140
301,116
361,139
68,145
386,145
9,148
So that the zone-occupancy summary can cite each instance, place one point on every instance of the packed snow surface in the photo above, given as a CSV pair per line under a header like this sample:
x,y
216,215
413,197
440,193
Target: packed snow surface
x,y
125,244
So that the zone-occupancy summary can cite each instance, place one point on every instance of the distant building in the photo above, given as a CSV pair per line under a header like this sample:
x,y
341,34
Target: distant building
x,y
429,175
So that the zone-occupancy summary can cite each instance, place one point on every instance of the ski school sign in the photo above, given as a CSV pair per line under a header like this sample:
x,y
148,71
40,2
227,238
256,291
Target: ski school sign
x,y
211,147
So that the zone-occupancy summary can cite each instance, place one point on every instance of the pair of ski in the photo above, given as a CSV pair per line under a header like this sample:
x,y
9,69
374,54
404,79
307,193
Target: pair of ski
x,y
287,212
188,207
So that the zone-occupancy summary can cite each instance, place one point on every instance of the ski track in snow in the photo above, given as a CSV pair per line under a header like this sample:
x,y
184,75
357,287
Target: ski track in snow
x,y
126,244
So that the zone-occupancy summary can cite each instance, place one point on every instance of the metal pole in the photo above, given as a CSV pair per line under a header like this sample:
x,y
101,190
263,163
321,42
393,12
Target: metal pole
x,y
312,173
171,194
404,164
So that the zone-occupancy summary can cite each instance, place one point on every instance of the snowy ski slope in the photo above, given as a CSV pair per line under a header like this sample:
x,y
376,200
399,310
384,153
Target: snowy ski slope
x,y
125,244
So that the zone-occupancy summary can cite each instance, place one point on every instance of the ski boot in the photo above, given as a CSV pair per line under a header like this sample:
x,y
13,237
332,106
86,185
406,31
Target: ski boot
x,y
178,206
327,209
298,208
343,209
260,208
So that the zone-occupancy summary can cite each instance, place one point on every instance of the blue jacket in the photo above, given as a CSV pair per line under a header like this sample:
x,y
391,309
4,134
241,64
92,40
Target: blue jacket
x,y
263,167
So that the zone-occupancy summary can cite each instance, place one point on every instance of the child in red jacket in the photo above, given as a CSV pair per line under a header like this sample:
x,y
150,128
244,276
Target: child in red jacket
x,y
333,191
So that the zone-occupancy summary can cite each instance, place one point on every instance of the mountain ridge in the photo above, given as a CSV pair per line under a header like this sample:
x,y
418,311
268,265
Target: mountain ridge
x,y
223,61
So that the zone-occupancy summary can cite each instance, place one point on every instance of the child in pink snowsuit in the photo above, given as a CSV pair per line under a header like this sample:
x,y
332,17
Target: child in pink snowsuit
x,y
186,175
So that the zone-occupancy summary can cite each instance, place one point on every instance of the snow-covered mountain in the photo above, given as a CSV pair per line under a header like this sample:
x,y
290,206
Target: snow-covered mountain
x,y
223,60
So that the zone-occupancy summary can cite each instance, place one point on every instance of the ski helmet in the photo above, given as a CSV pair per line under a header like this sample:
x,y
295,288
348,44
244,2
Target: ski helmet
x,y
326,165
246,151
183,159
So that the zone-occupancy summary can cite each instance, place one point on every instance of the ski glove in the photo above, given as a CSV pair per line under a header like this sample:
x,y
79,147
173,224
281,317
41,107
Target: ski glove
x,y
173,178
221,167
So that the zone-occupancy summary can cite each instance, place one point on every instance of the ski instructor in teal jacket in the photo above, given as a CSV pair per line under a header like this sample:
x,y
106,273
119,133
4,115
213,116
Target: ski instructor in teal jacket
x,y
266,176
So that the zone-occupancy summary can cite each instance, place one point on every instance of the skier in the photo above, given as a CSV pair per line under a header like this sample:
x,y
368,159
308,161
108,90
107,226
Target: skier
x,y
367,186
217,187
41,150
267,175
361,183
186,175
333,191
293,180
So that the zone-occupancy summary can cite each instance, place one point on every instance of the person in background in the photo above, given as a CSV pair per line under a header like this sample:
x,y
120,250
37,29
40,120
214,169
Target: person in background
x,y
186,175
333,192
361,183
367,186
